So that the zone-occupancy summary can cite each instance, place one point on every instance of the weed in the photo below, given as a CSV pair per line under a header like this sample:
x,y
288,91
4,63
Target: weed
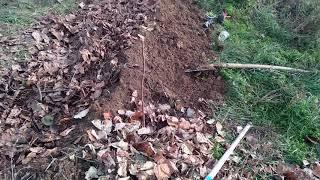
x,y
217,151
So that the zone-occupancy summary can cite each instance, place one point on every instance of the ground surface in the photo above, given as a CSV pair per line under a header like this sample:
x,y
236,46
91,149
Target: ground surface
x,y
71,101
92,60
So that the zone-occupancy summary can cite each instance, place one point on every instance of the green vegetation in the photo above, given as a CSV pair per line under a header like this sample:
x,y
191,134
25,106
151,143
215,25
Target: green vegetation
x,y
217,151
18,14
284,33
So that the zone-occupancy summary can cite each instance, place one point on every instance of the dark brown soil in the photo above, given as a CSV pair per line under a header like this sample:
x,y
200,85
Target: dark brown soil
x,y
177,42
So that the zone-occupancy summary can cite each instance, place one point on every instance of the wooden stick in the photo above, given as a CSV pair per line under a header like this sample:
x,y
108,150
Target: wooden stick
x,y
142,80
244,66
226,155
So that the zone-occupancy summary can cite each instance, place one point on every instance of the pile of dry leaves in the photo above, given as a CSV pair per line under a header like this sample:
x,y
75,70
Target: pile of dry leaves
x,y
157,145
74,59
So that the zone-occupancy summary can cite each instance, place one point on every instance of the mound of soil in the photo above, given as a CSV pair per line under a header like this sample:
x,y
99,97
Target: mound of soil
x,y
175,43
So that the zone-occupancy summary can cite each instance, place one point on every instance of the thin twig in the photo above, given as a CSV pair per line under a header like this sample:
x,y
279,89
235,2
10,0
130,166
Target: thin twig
x,y
142,80
40,93
12,168
54,159
52,91
211,67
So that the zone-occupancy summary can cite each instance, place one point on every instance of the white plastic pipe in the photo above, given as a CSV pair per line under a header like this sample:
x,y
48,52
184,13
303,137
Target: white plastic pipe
x,y
226,155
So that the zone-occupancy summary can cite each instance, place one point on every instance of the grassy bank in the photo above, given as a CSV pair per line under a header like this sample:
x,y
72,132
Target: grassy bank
x,y
18,14
286,102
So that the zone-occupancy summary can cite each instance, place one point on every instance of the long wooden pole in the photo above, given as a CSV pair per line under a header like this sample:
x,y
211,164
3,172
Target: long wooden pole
x,y
244,66
226,155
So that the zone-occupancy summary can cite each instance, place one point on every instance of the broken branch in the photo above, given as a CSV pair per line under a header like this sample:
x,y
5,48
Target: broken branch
x,y
244,66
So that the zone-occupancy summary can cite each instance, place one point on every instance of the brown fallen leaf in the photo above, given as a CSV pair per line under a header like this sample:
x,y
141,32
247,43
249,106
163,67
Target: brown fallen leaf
x,y
85,54
192,159
316,169
16,67
107,115
203,171
105,156
99,135
122,159
146,148
120,145
81,114
50,152
184,124
172,121
67,131
119,126
37,149
164,169
70,17
145,130
90,136
172,151
201,138
57,34
219,129
164,107
29,157
37,36
137,116
187,148
105,126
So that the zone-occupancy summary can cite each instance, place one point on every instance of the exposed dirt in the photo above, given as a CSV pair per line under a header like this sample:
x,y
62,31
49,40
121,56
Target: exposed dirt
x,y
177,42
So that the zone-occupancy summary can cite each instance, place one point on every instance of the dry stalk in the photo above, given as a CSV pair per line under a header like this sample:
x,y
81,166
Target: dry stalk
x,y
143,78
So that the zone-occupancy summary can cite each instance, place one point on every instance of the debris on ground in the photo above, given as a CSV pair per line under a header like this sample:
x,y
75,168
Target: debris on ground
x,y
72,108
54,115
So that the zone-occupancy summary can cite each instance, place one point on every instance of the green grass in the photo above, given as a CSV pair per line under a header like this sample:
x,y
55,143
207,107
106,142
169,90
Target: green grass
x,y
18,14
286,102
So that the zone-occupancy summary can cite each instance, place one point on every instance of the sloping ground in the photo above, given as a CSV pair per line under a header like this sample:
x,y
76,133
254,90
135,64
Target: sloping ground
x,y
88,66
73,110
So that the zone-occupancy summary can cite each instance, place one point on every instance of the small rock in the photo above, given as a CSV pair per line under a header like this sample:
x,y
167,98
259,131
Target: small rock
x,y
92,173
81,5
190,113
129,113
121,112
211,121
164,107
239,129
305,162
135,93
